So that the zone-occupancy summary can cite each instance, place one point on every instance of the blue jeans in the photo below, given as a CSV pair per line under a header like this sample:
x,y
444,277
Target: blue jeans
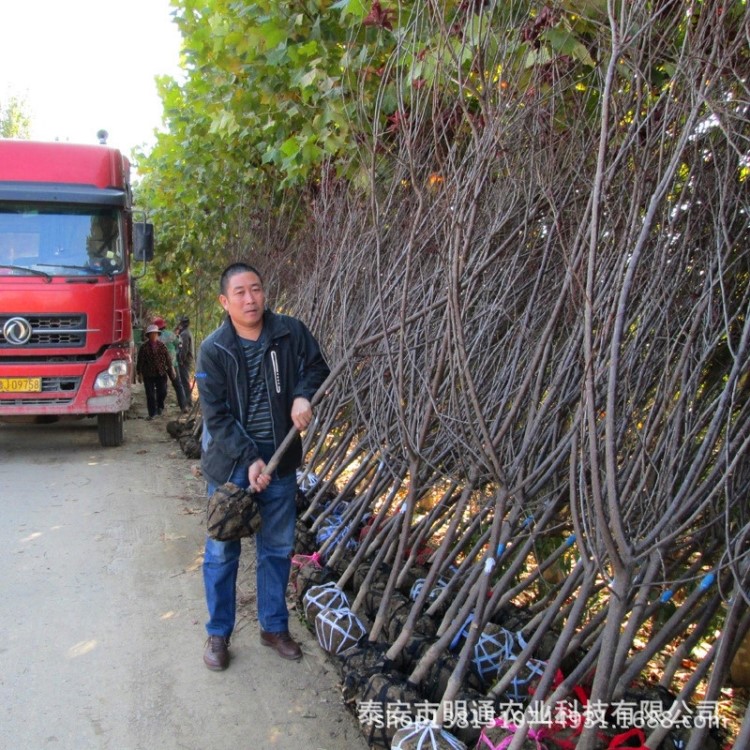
x,y
274,546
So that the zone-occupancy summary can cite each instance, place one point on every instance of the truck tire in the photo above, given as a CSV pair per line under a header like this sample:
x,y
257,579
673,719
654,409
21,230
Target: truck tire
x,y
111,432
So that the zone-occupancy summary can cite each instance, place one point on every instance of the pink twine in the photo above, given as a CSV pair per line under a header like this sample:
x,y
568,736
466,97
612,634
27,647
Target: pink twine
x,y
300,561
534,734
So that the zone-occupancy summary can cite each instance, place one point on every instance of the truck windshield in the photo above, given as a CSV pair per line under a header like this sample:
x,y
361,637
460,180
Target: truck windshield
x,y
59,241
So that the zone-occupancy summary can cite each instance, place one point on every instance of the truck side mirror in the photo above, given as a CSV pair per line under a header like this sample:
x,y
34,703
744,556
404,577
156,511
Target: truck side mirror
x,y
143,241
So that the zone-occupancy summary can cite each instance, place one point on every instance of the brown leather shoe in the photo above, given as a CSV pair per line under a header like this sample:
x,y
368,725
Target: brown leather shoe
x,y
282,643
216,653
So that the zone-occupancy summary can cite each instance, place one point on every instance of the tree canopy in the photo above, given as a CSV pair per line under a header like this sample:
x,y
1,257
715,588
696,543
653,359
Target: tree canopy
x,y
14,118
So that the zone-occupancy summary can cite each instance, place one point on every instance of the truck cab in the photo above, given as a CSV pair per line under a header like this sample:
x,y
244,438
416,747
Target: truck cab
x,y
66,248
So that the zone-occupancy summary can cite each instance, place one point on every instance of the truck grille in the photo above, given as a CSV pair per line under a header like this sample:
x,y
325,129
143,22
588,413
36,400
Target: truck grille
x,y
57,385
46,331
35,401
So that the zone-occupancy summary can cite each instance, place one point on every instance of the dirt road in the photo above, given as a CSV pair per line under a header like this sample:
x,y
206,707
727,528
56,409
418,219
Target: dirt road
x,y
103,612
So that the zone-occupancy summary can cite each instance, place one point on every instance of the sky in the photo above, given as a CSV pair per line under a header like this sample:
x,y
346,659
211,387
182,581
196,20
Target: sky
x,y
85,65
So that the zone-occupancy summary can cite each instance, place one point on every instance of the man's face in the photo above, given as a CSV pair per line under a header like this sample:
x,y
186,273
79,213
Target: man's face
x,y
244,300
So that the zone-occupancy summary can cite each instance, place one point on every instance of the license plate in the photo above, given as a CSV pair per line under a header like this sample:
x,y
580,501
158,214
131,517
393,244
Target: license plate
x,y
20,385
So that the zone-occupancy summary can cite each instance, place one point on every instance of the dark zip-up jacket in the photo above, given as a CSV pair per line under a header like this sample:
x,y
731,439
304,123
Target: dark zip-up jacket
x,y
153,360
292,366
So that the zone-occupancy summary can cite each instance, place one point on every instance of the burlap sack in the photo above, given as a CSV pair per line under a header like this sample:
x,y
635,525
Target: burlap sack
x,y
529,674
384,692
494,646
358,665
418,585
338,630
304,539
307,574
408,580
396,616
190,446
324,596
379,580
372,601
175,428
512,617
231,514
426,625
340,565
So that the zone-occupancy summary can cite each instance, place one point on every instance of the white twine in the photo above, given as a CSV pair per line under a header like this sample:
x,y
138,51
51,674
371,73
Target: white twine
x,y
424,733
324,596
341,621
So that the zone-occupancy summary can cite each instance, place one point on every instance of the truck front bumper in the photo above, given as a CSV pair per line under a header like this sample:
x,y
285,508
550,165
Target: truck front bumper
x,y
100,387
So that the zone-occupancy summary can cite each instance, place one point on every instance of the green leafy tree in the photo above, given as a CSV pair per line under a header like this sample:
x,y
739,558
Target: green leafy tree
x,y
14,118
279,98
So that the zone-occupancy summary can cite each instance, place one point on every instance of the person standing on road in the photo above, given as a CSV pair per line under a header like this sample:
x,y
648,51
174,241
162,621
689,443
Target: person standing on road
x,y
152,368
186,358
256,375
172,341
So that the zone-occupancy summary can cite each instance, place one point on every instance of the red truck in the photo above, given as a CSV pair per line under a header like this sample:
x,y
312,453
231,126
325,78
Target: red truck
x,y
66,252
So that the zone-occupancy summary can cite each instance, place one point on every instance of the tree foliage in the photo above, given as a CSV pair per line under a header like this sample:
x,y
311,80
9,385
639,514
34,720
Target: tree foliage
x,y
14,118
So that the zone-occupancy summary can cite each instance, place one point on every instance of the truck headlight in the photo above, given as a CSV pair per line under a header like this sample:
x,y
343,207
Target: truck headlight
x,y
113,375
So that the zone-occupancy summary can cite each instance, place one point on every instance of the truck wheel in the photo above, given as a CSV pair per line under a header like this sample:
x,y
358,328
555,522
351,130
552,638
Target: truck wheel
x,y
111,433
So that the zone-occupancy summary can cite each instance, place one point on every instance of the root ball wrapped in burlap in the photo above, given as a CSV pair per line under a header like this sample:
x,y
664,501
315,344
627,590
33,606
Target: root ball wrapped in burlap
x,y
512,617
308,573
324,596
190,446
338,630
382,693
529,674
379,579
435,591
358,665
232,513
340,565
408,579
494,646
426,626
372,600
175,428
304,539
396,615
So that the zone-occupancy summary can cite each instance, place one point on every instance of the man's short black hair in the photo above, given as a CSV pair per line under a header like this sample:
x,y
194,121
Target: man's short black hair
x,y
233,269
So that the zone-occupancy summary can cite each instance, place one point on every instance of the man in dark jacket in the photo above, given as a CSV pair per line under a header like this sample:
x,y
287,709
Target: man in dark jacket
x,y
256,375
